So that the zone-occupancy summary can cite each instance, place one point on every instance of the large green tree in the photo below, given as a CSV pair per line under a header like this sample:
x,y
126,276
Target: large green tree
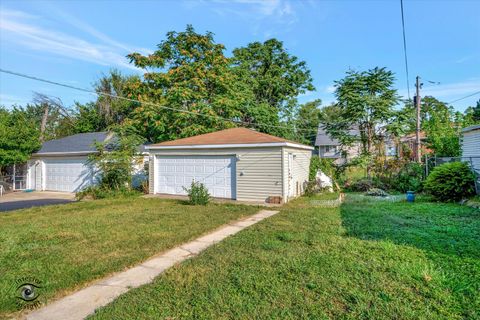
x,y
19,136
365,100
274,78
307,119
441,126
472,115
190,72
109,109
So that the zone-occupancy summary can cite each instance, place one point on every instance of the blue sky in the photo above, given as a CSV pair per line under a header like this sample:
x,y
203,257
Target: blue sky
x,y
74,42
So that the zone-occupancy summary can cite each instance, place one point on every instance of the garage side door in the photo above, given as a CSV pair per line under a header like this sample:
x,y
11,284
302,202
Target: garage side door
x,y
68,175
217,173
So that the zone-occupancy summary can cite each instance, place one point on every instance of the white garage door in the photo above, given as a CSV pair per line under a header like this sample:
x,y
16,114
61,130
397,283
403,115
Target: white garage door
x,y
69,175
217,173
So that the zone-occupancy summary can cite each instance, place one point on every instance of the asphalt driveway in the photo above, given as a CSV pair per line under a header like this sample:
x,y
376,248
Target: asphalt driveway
x,y
23,200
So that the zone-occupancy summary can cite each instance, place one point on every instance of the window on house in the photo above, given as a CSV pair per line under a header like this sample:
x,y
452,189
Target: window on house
x,y
332,149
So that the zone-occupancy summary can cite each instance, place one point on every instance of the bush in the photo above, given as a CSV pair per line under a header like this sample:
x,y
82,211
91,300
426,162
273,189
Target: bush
x,y
114,161
451,182
365,184
198,193
409,178
98,192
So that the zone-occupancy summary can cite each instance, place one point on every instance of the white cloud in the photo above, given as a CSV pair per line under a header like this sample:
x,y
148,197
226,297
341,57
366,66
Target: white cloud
x,y
24,29
330,89
260,14
10,100
465,58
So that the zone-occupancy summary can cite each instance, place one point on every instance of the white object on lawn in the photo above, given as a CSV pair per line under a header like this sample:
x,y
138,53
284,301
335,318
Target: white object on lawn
x,y
324,181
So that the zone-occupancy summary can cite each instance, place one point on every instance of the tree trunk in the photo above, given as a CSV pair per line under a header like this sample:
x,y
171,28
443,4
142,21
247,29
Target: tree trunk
x,y
43,125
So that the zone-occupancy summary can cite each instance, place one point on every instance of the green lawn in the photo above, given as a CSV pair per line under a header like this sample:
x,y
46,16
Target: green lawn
x,y
365,260
66,246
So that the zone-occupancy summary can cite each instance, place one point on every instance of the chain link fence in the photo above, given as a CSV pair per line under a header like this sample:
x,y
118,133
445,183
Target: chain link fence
x,y
14,177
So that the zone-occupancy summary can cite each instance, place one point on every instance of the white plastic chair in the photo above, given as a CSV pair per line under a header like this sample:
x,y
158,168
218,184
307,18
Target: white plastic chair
x,y
1,190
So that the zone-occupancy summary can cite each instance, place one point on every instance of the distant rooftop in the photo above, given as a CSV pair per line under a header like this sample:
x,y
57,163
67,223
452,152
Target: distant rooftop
x,y
82,142
323,139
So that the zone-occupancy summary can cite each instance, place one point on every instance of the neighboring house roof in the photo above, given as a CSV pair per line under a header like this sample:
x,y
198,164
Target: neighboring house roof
x,y
235,137
413,136
471,128
323,139
78,143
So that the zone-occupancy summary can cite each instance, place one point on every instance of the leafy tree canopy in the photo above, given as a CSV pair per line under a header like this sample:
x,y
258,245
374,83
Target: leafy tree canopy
x,y
19,136
365,100
274,79
472,115
307,120
189,71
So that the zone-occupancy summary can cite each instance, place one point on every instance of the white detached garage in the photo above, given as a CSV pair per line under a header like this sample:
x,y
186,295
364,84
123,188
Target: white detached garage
x,y
61,164
238,163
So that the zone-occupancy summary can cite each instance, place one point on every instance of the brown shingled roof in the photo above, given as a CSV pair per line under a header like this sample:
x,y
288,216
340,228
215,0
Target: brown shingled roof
x,y
227,136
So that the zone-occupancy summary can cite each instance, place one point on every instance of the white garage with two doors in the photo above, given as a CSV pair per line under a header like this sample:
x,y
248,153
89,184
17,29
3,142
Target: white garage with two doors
x,y
238,163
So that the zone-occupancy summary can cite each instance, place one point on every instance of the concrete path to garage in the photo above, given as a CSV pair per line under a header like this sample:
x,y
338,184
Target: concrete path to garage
x,y
22,200
84,302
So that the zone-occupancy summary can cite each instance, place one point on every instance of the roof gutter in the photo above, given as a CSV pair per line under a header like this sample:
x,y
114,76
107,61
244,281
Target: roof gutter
x,y
471,128
227,146
70,153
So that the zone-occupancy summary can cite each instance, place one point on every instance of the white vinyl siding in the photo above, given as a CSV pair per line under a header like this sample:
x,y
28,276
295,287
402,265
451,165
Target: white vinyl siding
x,y
258,170
471,143
151,174
300,171
259,173
471,148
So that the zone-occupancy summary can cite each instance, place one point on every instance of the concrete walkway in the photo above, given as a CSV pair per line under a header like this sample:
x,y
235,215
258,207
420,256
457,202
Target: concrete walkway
x,y
84,302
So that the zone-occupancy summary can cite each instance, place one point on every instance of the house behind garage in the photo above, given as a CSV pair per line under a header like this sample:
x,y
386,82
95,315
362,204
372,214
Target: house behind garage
x,y
61,164
237,163
471,150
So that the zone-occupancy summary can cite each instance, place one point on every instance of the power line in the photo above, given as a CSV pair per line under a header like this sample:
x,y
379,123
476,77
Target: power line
x,y
468,96
106,94
405,49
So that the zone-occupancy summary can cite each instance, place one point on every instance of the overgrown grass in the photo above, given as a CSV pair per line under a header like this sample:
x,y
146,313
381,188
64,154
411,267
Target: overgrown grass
x,y
364,260
67,246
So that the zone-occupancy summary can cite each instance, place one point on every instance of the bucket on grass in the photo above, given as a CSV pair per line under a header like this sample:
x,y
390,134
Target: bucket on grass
x,y
410,196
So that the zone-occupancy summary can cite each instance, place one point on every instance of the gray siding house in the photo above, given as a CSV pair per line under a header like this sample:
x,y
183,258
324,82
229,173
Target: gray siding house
x,y
471,149
331,148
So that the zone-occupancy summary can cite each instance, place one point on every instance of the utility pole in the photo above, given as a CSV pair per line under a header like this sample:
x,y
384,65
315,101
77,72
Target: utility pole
x,y
417,137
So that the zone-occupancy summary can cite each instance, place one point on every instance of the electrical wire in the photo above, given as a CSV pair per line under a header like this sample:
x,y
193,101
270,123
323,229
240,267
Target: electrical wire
x,y
100,93
468,96
405,49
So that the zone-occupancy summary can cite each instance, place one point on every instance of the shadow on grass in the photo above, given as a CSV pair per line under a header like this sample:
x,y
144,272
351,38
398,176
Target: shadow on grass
x,y
447,229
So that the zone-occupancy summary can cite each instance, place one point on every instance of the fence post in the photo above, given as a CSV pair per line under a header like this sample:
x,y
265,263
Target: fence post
x,y
426,166
13,178
474,174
